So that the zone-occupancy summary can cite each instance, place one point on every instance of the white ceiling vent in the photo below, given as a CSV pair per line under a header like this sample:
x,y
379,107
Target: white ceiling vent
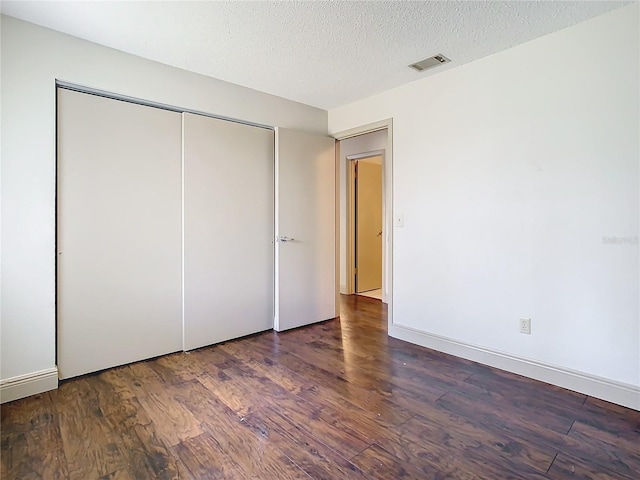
x,y
430,62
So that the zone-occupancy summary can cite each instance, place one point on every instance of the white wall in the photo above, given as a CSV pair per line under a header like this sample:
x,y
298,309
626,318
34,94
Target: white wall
x,y
368,142
509,172
32,59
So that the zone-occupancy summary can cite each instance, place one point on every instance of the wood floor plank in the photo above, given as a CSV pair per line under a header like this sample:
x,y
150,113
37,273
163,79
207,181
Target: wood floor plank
x,y
254,456
432,362
124,474
461,435
265,366
510,407
22,415
120,380
528,389
524,430
366,424
366,378
92,449
398,363
117,405
149,458
413,399
324,425
565,467
312,456
20,460
631,448
614,419
183,471
183,367
615,454
376,406
27,425
429,459
331,410
382,465
454,461
172,422
205,459
559,408
237,395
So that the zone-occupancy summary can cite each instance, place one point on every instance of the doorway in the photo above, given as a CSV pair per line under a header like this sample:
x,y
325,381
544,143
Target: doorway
x,y
360,144
367,228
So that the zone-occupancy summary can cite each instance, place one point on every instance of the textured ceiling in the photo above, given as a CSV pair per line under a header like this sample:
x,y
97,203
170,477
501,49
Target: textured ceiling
x,y
320,53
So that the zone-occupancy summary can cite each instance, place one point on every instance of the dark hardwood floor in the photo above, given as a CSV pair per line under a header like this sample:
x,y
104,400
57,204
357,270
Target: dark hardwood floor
x,y
335,400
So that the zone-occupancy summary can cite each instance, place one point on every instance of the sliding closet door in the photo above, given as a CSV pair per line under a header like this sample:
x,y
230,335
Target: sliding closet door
x,y
228,230
118,229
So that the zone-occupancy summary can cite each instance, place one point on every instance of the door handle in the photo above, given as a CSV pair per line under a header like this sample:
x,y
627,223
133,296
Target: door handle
x,y
379,234
286,239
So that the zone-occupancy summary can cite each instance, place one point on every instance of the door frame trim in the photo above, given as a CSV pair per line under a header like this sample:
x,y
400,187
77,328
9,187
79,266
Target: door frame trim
x,y
387,250
350,217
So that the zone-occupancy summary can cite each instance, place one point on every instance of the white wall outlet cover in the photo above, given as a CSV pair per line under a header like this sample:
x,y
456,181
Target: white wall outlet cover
x,y
398,221
525,325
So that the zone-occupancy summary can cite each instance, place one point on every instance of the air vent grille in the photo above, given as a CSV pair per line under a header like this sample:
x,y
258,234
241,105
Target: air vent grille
x,y
430,62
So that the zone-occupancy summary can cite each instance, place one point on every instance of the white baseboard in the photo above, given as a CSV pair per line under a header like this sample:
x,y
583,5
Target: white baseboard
x,y
344,290
23,386
592,385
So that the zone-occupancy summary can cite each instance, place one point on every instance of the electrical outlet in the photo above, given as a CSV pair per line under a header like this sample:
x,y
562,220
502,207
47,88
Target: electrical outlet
x,y
525,325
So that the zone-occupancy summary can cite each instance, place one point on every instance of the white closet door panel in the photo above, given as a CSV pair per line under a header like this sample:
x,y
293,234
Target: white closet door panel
x,y
306,229
228,230
119,241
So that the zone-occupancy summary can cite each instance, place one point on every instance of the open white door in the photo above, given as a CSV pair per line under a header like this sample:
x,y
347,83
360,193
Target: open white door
x,y
305,229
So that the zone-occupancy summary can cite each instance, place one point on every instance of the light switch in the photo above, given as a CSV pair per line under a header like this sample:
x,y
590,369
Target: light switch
x,y
398,221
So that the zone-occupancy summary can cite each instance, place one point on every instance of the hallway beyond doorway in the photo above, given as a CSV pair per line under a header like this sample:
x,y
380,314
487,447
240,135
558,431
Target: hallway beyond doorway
x,y
377,294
